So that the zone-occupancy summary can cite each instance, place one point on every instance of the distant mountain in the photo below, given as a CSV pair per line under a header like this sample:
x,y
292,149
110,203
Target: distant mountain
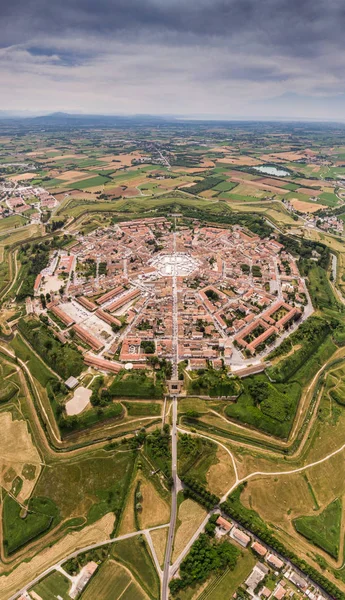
x,y
79,120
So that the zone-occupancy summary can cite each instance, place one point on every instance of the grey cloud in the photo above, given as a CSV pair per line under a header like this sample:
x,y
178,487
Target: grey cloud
x,y
200,54
295,25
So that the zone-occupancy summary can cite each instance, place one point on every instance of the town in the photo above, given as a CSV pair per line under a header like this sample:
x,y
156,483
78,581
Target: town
x,y
239,296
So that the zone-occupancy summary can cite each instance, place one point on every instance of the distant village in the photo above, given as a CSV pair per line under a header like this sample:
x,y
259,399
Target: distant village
x,y
28,201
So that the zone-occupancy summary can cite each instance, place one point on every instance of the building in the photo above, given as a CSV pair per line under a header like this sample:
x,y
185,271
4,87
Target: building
x,y
91,340
279,592
298,581
259,549
102,363
223,524
71,382
239,536
274,562
257,575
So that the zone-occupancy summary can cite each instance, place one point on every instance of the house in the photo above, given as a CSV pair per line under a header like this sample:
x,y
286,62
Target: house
x,y
82,579
279,592
239,536
274,562
298,581
259,549
224,524
257,575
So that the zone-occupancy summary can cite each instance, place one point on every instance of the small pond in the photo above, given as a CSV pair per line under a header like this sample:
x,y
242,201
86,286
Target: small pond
x,y
272,170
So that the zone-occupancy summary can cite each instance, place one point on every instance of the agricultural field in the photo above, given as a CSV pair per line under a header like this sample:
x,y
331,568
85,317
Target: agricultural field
x,y
112,582
97,210
53,586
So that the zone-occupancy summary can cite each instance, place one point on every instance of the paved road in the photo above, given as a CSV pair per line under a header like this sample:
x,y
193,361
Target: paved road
x,y
176,482
168,551
145,532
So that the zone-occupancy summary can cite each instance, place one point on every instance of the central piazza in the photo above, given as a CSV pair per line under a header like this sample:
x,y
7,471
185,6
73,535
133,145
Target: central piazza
x,y
237,295
179,264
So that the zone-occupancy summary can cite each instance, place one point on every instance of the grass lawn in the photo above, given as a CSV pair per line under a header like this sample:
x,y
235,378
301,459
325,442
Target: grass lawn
x,y
320,288
35,364
19,531
135,385
91,486
53,586
225,186
323,530
275,413
143,409
11,223
291,187
196,456
134,555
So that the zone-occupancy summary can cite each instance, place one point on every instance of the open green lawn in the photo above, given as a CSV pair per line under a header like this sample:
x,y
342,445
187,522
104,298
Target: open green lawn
x,y
11,223
64,359
273,414
320,288
291,187
328,199
143,409
52,587
225,186
135,556
18,531
135,385
323,530
195,457
37,367
89,487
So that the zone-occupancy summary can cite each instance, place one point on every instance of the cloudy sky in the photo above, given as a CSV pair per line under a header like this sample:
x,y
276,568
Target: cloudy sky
x,y
220,58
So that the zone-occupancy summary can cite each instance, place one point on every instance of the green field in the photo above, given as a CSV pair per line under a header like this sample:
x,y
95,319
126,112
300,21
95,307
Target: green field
x,y
225,186
320,288
53,586
111,582
328,199
11,223
64,359
135,556
195,456
99,180
37,367
143,409
268,406
92,486
226,583
323,530
135,385
18,531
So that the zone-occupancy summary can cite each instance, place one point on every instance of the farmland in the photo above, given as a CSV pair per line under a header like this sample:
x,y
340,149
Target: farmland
x,y
98,219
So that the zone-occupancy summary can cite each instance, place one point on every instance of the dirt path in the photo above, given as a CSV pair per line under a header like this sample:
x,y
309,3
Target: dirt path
x,y
13,277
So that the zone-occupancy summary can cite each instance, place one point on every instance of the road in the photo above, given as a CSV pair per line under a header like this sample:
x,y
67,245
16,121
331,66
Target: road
x,y
145,532
176,481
